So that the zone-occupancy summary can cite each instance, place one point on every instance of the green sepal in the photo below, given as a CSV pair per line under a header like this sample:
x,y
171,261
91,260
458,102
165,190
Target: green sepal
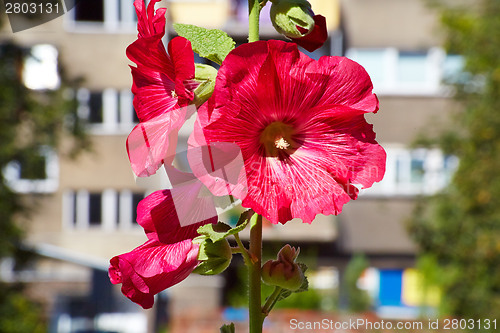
x,y
286,15
215,257
213,44
205,75
219,231
228,328
304,287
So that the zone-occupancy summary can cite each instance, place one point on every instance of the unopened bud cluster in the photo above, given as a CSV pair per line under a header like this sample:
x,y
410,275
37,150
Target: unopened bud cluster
x,y
292,18
284,272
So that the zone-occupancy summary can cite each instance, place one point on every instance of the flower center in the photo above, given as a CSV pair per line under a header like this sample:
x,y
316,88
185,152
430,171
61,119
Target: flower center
x,y
281,143
277,139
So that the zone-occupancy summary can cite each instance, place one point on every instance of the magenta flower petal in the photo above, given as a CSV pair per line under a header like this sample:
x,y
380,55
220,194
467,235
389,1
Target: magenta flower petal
x,y
153,267
300,126
162,84
343,82
160,80
150,24
220,167
182,57
316,38
163,214
169,255
152,143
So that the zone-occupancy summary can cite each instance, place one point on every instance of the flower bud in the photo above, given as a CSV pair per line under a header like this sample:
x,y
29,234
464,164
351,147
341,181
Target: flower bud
x,y
284,272
205,75
292,18
214,257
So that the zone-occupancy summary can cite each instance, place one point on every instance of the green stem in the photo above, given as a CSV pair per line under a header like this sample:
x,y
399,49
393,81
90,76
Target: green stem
x,y
271,301
253,20
242,250
256,317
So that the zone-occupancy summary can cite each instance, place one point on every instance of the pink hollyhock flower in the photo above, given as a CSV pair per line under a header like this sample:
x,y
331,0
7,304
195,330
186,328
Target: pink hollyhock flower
x,y
300,126
163,86
314,39
152,268
168,256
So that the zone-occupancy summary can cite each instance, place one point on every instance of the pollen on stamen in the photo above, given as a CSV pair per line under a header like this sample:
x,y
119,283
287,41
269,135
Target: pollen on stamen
x,y
281,143
174,95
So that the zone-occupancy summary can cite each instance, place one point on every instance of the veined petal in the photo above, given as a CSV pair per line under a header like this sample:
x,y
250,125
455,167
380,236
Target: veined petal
x,y
154,93
160,83
153,267
148,49
343,136
316,38
300,126
339,80
220,167
299,188
152,143
175,215
148,23
181,53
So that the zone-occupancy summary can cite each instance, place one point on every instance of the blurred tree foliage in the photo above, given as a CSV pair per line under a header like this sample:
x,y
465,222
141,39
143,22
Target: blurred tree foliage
x,y
358,300
29,120
459,230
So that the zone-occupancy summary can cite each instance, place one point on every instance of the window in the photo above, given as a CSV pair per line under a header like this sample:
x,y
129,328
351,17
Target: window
x,y
407,72
40,68
107,210
38,174
108,112
99,15
89,11
413,172
239,13
95,209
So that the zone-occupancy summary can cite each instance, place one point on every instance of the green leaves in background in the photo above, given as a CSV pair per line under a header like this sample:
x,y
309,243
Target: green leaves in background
x,y
212,44
227,328
457,231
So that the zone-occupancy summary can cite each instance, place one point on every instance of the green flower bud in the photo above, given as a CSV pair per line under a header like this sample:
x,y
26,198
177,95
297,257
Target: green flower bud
x,y
205,75
284,272
287,15
214,257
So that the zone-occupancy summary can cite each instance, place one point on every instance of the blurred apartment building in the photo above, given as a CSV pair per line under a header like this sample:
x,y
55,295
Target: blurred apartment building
x,y
86,209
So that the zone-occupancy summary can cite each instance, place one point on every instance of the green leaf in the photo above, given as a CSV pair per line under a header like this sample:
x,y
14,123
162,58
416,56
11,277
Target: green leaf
x,y
212,44
214,257
227,328
219,231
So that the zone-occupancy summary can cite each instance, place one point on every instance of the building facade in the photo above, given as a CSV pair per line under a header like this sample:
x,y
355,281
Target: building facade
x,y
86,206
